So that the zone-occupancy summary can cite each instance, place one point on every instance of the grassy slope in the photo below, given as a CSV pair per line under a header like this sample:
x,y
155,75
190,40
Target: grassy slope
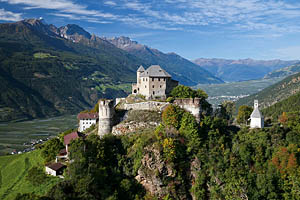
x,y
13,172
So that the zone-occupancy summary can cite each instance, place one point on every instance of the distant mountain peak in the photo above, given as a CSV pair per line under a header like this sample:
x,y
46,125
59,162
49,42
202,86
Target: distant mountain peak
x,y
74,32
124,43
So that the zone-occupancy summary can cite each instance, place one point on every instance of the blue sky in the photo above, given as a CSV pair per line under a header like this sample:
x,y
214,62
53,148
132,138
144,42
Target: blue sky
x,y
232,29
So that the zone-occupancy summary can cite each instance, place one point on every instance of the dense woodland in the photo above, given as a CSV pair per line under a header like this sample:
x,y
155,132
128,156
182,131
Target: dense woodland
x,y
183,159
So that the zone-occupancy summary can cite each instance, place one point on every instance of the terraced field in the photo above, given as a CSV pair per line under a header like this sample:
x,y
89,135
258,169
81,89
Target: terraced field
x,y
13,135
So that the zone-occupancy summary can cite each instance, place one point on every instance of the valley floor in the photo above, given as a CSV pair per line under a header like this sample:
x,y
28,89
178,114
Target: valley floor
x,y
13,135
233,91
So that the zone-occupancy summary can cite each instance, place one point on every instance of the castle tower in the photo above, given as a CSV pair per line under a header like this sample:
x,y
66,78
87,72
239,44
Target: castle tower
x,y
138,74
106,113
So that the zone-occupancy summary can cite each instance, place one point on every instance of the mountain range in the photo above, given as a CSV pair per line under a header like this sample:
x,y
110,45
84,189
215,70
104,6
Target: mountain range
x,y
243,69
47,71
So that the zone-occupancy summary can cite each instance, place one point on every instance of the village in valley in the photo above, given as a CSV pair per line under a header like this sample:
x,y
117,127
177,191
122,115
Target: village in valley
x,y
150,93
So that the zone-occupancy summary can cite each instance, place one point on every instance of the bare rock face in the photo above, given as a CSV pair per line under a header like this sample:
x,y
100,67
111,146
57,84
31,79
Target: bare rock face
x,y
159,177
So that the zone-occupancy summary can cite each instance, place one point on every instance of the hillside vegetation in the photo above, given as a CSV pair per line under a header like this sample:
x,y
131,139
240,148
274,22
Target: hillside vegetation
x,y
275,93
291,104
286,71
183,159
43,74
13,172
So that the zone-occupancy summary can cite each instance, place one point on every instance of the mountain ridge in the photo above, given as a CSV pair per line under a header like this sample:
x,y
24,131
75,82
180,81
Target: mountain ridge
x,y
231,70
180,68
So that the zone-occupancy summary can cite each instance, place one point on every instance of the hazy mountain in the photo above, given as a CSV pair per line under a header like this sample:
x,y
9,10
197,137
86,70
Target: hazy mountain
x,y
181,69
286,71
46,71
241,70
275,93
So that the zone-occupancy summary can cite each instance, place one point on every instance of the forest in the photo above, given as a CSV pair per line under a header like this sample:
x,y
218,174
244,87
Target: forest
x,y
184,159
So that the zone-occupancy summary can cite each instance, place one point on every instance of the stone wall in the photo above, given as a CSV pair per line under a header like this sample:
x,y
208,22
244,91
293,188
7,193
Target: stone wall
x,y
148,105
191,105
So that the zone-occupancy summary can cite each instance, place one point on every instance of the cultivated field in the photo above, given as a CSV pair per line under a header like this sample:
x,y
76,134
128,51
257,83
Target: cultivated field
x,y
13,135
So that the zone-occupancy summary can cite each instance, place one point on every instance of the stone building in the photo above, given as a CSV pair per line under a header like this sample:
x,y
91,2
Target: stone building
x,y
153,83
86,120
106,114
257,119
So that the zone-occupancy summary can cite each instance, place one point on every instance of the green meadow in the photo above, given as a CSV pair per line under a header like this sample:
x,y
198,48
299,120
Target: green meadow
x,y
13,172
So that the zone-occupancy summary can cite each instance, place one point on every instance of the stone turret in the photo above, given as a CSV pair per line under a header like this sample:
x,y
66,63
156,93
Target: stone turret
x,y
192,105
106,113
138,74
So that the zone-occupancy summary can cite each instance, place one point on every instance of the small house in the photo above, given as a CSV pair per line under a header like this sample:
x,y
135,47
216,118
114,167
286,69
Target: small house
x,y
68,138
86,120
55,169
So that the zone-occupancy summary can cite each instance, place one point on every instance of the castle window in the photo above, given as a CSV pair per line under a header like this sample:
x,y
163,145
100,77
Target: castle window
x,y
152,79
145,86
158,79
152,86
164,79
160,86
153,92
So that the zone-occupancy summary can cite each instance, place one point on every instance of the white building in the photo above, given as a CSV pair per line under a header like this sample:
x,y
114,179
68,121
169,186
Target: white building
x,y
86,120
257,119
55,169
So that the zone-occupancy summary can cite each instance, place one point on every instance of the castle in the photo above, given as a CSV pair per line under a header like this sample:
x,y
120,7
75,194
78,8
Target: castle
x,y
153,83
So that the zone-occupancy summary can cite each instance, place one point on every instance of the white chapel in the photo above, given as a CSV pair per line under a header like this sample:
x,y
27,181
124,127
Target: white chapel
x,y
257,119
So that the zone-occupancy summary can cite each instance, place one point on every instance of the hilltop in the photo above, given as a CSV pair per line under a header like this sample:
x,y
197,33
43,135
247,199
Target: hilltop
x,y
275,93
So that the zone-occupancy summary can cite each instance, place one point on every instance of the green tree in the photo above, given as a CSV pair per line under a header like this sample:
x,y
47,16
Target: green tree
x,y
244,114
171,116
51,149
182,91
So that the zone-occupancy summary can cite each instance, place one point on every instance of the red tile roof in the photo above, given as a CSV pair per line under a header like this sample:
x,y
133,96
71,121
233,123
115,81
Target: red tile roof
x,y
87,116
69,137
56,166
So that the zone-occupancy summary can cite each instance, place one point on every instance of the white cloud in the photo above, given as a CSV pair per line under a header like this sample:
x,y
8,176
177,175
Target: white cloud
x,y
9,16
64,6
277,16
110,3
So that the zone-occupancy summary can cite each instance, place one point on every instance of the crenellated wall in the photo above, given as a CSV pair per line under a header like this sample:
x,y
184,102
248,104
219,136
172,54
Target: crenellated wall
x,y
191,105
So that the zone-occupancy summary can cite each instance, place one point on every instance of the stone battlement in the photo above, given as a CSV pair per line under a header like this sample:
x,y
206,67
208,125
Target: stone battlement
x,y
188,101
